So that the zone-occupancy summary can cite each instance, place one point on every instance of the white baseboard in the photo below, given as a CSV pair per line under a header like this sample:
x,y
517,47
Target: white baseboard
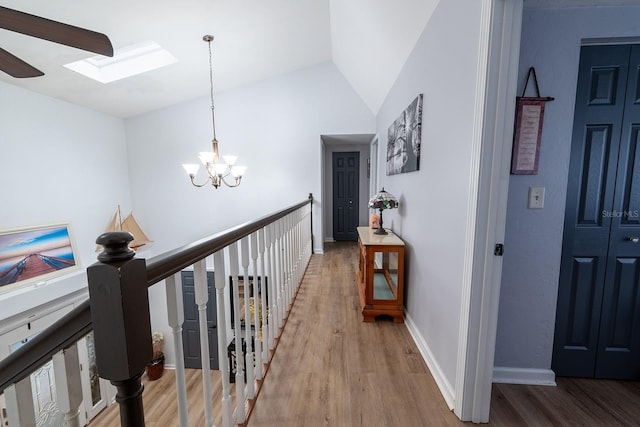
x,y
443,384
329,240
506,375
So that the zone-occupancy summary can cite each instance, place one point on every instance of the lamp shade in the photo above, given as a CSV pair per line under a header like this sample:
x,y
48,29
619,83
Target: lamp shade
x,y
383,200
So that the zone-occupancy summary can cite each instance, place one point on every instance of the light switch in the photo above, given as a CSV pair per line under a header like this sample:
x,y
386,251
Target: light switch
x,y
536,198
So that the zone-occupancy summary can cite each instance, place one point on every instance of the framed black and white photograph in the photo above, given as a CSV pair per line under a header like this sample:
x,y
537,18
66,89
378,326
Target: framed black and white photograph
x,y
35,254
403,144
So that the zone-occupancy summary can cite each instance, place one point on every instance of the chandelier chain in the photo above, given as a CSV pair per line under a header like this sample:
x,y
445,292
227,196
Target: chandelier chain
x,y
213,115
218,168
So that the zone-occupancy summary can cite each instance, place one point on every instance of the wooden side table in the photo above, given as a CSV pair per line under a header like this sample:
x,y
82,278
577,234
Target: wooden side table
x,y
381,275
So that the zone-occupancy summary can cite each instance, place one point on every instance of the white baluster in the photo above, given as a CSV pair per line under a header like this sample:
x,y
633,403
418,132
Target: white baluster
x,y
296,244
281,276
309,237
240,399
218,268
296,241
303,244
288,256
244,252
175,315
256,306
273,308
19,400
202,297
263,296
66,372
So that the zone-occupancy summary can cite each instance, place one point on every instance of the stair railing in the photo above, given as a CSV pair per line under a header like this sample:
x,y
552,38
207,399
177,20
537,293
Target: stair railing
x,y
275,248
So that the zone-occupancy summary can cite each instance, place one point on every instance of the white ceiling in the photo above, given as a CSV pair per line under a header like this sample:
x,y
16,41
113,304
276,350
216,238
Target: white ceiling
x,y
368,40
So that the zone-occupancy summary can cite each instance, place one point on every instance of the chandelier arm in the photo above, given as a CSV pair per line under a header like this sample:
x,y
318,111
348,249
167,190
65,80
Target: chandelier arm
x,y
230,185
193,181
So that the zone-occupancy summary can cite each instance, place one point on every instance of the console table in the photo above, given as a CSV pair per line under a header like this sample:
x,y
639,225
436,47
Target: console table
x,y
381,275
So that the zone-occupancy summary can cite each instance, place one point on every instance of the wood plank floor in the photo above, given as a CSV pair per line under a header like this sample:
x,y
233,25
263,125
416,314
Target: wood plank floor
x,y
573,402
160,401
331,369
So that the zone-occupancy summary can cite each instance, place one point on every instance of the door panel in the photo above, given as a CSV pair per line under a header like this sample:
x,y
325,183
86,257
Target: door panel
x,y
619,347
594,176
583,289
346,183
587,285
191,326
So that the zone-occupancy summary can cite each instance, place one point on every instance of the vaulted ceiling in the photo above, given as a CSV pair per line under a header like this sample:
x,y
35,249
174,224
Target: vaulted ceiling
x,y
368,40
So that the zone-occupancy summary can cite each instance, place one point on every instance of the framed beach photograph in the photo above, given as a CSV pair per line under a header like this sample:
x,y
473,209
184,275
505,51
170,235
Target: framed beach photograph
x,y
35,254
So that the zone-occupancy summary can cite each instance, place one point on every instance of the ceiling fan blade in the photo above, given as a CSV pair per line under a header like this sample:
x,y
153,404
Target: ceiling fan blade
x,y
55,31
16,67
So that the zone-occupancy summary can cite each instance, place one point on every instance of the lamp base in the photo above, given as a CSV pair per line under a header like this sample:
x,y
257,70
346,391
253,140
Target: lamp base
x,y
380,230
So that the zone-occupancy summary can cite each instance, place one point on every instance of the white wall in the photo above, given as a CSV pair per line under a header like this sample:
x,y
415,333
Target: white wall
x,y
59,163
273,126
434,200
551,41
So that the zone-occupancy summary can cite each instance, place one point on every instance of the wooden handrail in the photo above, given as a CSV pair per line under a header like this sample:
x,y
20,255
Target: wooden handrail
x,y
60,335
164,265
77,323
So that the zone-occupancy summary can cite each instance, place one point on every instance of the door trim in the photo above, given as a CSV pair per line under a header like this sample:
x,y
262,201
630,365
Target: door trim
x,y
500,31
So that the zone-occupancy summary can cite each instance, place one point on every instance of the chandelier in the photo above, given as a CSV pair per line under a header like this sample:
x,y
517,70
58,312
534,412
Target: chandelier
x,y
218,172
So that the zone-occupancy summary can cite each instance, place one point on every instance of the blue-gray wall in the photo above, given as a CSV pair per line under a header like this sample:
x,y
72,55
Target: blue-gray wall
x,y
551,40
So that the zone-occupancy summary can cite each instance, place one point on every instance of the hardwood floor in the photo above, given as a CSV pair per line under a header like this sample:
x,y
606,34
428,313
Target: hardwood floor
x,y
573,402
160,402
331,369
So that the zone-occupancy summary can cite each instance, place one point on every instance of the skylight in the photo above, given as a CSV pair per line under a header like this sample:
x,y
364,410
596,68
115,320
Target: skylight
x,y
126,62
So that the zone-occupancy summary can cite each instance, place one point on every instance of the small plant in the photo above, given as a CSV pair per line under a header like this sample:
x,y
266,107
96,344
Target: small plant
x,y
155,368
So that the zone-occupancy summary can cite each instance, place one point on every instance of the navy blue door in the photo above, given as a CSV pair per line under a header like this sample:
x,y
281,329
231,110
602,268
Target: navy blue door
x,y
598,313
346,183
190,327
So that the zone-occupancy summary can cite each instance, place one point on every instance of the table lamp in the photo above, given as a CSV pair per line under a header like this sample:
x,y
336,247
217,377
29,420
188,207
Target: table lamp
x,y
382,201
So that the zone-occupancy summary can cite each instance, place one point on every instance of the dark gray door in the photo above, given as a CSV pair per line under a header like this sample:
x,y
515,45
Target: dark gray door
x,y
598,312
191,328
346,182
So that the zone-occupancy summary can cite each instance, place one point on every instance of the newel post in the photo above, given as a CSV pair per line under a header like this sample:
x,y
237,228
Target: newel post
x,y
121,323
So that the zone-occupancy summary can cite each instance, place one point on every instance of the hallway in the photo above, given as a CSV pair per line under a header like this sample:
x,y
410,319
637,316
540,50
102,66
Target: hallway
x,y
331,369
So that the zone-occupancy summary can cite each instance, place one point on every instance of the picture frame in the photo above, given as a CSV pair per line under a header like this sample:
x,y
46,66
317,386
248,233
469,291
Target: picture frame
x,y
527,135
404,138
36,254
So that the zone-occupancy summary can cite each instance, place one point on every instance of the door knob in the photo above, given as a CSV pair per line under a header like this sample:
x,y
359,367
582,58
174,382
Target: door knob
x,y
350,202
633,239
